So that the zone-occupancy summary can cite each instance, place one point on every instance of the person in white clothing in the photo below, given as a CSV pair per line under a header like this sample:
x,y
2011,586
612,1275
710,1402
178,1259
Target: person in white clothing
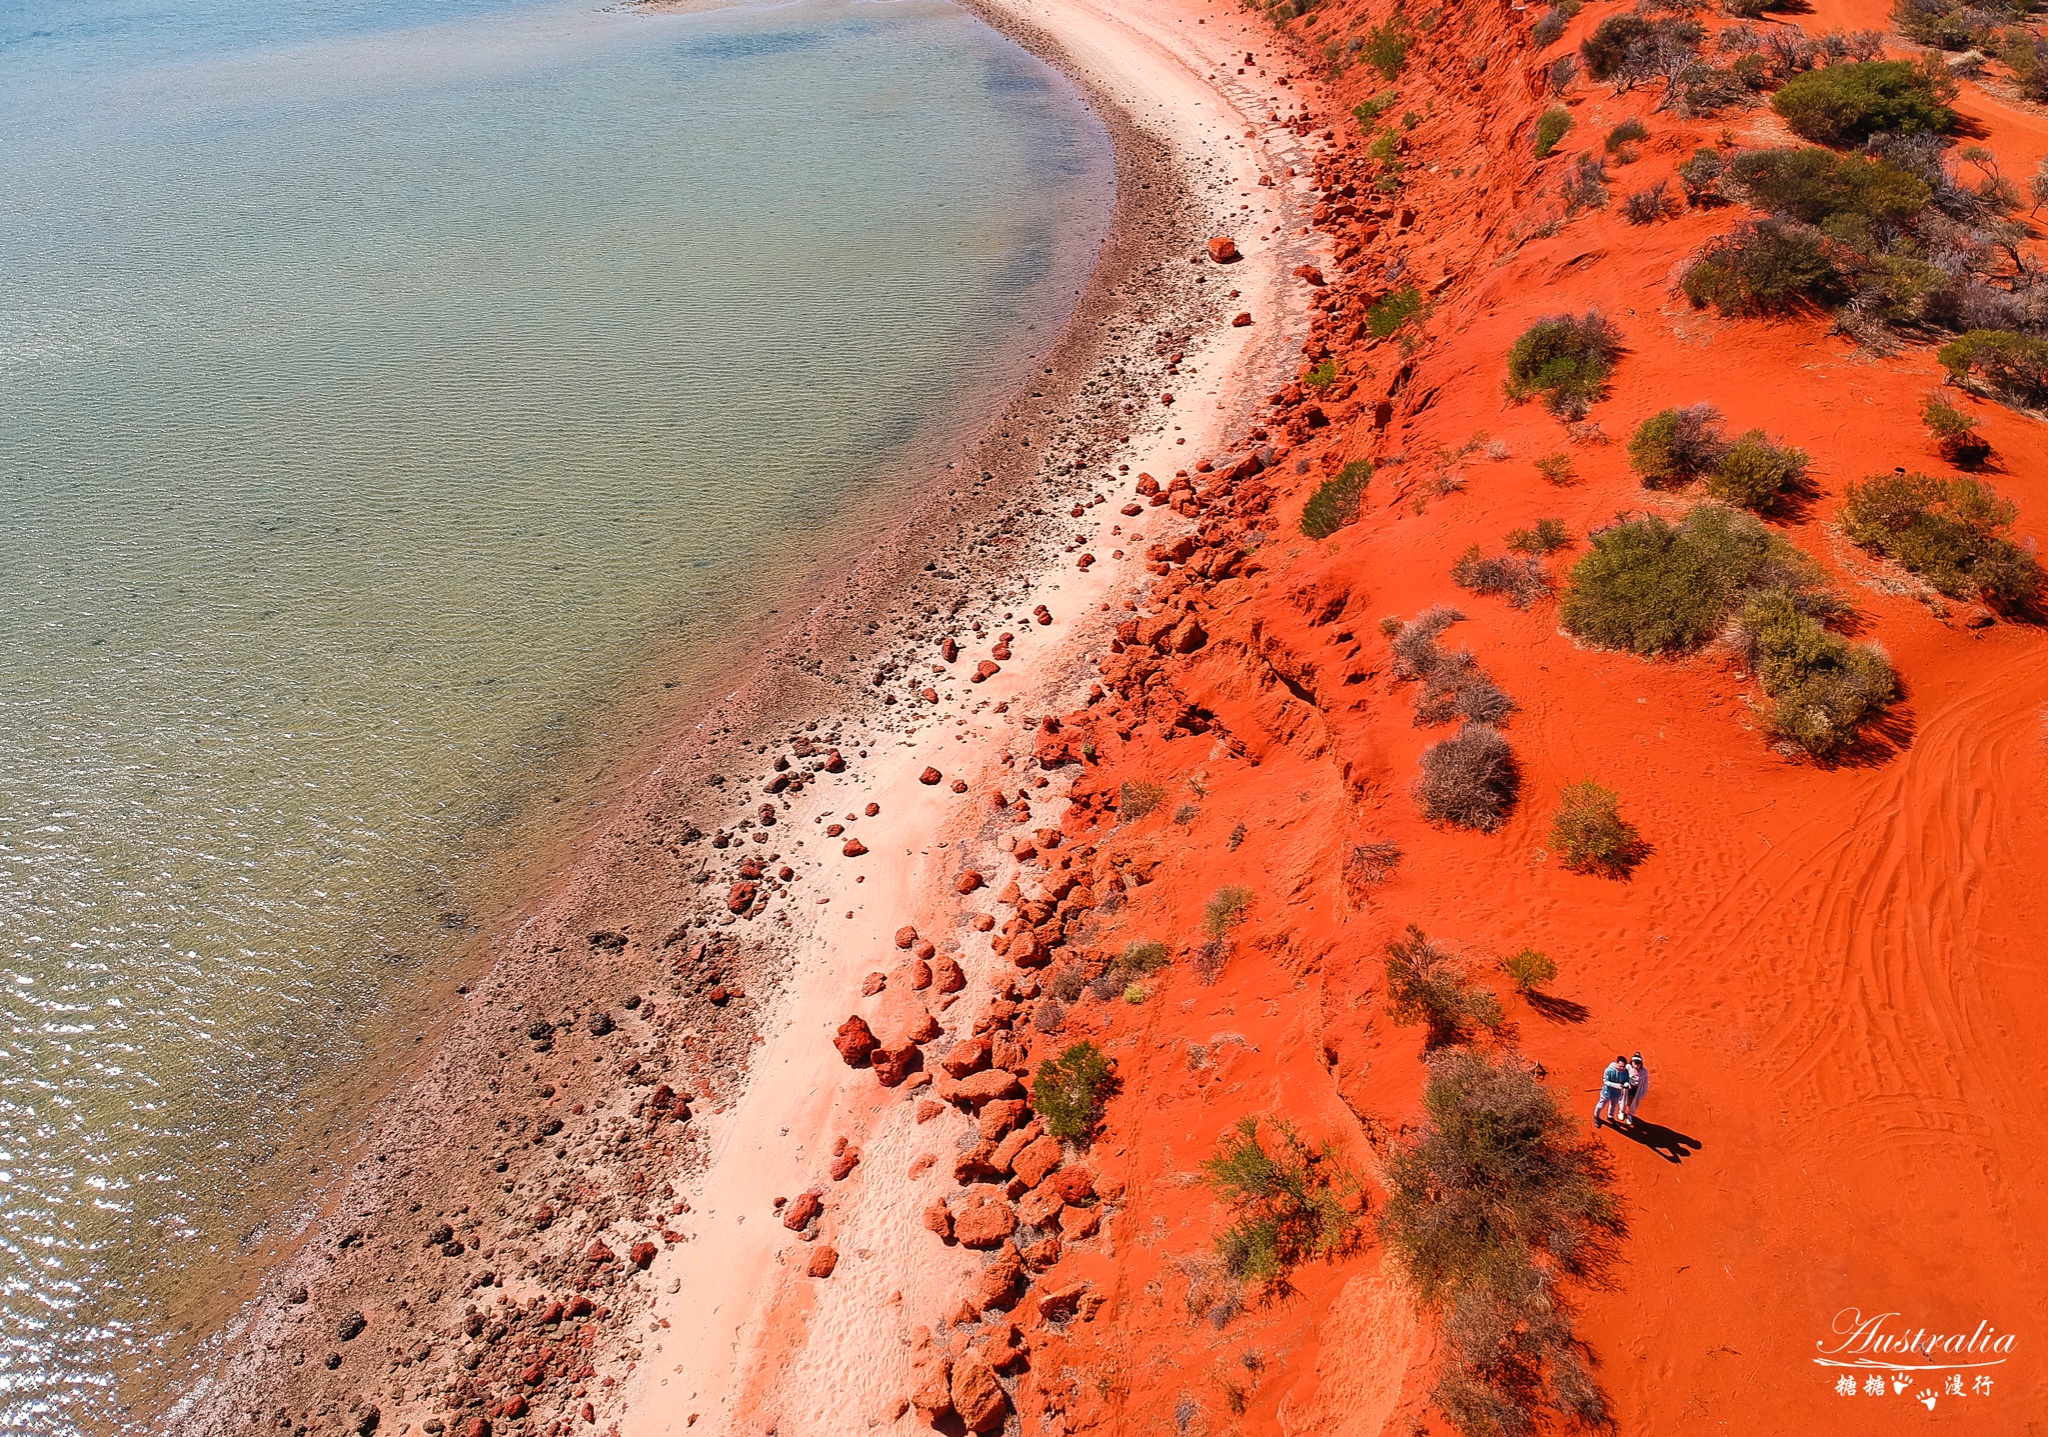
x,y
1638,1085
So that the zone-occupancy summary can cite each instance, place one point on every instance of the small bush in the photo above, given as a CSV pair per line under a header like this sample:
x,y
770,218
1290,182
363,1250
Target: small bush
x,y
1584,186
1370,863
1764,267
1139,797
1758,474
1227,907
1815,187
1628,132
1337,500
1393,311
1676,446
1547,537
1847,104
2015,365
1551,127
1321,375
1368,112
1954,24
1646,207
1426,985
1822,688
1414,644
1386,47
1521,581
1138,959
1457,688
1589,833
1069,1091
1701,175
1289,1202
1548,29
1948,531
1566,359
1655,587
1471,780
1528,970
1557,468
1563,70
1606,50
1954,431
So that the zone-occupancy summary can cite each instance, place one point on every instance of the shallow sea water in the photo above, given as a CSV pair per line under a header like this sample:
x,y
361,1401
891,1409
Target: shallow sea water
x,y
387,391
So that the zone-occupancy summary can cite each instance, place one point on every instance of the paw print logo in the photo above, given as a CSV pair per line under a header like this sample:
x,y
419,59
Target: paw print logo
x,y
1925,1398
1900,1382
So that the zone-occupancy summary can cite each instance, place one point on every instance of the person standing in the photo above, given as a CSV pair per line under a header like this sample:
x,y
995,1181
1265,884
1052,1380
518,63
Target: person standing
x,y
1638,1084
1613,1092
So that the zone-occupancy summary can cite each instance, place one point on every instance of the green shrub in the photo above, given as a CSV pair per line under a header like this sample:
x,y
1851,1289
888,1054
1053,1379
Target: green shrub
x,y
1655,587
1955,24
1426,985
1547,537
1323,374
1764,267
1528,970
1948,531
1757,474
1954,431
1393,311
1470,780
1227,907
1138,959
1626,133
1702,176
2012,364
1822,688
1386,47
1847,104
1368,112
1069,1091
1336,500
1520,581
1677,446
1289,1201
1589,833
1557,468
1564,358
1139,797
1551,127
1816,186
1492,1203
1606,50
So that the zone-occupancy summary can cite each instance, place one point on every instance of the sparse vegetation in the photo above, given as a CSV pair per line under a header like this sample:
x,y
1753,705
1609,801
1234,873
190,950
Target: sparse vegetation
x,y
1954,24
1823,689
1589,833
2015,365
1757,473
1322,374
1491,1207
1386,46
1519,580
1955,433
1951,532
1565,359
1847,104
1764,267
1584,186
1392,311
1557,468
1633,46
1337,500
1069,1091
1429,986
1676,446
1139,796
1290,1201
1547,537
1470,780
1453,685
1624,135
1647,206
1227,907
1370,863
1368,112
1551,127
1529,970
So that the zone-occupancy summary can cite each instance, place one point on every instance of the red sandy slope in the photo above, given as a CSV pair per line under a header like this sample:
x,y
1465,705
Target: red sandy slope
x,y
1836,973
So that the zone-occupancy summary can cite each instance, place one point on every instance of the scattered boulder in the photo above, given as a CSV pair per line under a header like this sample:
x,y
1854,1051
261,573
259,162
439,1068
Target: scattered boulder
x,y
741,898
965,1057
933,1397
823,1260
978,1398
984,1220
947,975
939,1218
1223,250
894,1063
800,1212
967,882
905,936
855,1041
929,776
642,1254
1240,319
854,848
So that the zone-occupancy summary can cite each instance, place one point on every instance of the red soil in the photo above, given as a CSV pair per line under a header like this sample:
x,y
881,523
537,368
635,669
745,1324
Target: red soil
x,y
1833,971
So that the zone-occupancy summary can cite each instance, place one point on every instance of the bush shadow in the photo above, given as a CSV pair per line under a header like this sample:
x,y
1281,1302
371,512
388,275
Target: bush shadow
x,y
1558,1010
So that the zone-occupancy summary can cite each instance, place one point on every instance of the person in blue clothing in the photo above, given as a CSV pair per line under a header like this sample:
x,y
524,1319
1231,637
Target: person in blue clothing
x,y
1613,1093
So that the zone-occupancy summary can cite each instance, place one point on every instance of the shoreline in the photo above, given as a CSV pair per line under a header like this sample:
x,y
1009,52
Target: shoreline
x,y
713,1037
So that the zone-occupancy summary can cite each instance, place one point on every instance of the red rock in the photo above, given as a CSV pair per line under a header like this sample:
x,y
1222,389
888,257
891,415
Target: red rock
x,y
996,1286
854,848
933,1397
1223,249
1042,614
1310,273
930,696
1062,1302
939,1218
1240,320
978,1088
643,1254
543,1217
893,1064
1075,1183
1037,1161
926,950
873,984
740,898
983,1220
967,882
923,1162
588,1413
855,1040
824,1259
1132,511
1040,1206
1147,485
905,936
798,1215
844,1164
1001,649
833,762
966,1055
1006,1052
1078,1222
982,922
919,973
1005,1155
927,1110
977,1397
998,1117
949,650
930,776
947,975
872,810
1043,1254
983,670
598,1252
1085,561
513,1406
959,785
1188,636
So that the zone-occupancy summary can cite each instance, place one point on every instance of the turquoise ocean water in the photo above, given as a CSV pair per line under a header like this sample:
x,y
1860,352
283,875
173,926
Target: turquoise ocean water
x,y
388,391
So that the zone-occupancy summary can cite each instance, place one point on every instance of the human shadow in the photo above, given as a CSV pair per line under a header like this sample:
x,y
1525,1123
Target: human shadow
x,y
1667,1143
